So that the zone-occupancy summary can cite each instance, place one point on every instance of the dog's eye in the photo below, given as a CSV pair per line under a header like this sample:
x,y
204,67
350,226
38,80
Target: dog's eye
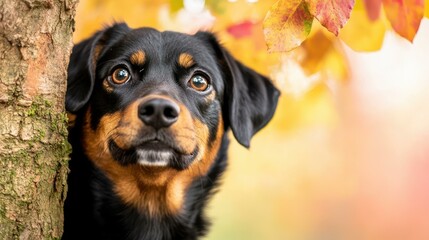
x,y
120,76
199,83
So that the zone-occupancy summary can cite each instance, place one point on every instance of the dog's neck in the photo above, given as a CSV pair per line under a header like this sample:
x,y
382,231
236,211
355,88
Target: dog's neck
x,y
170,207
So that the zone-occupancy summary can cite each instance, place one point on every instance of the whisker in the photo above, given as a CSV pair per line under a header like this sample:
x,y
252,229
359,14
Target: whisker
x,y
187,128
188,137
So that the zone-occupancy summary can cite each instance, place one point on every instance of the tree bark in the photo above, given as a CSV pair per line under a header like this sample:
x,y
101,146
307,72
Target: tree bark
x,y
35,44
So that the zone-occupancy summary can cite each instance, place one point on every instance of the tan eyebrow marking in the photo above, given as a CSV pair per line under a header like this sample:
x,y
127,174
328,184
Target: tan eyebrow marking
x,y
186,60
138,58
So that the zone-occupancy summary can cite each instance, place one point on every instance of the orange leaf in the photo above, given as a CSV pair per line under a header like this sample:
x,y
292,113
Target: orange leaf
x,y
332,14
287,25
373,8
405,16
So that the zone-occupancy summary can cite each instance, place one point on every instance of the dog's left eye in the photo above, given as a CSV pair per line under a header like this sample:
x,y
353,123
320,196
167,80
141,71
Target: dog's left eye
x,y
120,76
199,83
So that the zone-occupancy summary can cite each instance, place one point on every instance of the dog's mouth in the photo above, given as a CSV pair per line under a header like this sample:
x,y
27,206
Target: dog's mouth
x,y
153,153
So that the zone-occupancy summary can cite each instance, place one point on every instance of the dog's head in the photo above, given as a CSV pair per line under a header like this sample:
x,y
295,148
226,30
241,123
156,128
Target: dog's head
x,y
162,99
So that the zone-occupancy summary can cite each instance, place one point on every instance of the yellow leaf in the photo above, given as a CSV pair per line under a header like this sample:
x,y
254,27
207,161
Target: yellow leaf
x,y
335,65
176,5
427,8
362,34
322,54
315,50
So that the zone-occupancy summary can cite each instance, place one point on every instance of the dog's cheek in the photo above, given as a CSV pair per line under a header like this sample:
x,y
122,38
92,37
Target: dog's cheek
x,y
199,167
214,143
96,141
214,118
202,132
184,131
209,131
209,146
128,127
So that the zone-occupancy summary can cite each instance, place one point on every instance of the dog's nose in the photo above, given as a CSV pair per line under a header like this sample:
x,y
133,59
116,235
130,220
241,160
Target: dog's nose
x,y
159,112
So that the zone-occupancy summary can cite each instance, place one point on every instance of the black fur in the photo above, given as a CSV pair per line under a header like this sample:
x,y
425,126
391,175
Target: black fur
x,y
245,99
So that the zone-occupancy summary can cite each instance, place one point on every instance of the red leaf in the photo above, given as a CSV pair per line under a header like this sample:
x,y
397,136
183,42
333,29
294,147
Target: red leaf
x,y
240,30
373,8
405,16
332,14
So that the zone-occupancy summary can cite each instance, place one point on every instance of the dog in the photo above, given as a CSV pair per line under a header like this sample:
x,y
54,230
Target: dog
x,y
150,114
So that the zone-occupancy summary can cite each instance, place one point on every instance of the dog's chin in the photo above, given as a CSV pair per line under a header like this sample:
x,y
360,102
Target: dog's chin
x,y
152,154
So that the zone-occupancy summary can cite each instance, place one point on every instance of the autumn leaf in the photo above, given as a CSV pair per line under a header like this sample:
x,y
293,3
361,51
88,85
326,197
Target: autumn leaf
x,y
216,6
373,8
332,14
323,55
287,24
240,30
405,16
316,48
361,33
427,8
176,5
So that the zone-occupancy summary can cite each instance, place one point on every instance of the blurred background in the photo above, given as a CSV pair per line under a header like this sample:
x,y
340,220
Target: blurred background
x,y
347,153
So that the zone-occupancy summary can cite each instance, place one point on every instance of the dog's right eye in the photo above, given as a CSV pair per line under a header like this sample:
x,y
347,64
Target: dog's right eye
x,y
120,76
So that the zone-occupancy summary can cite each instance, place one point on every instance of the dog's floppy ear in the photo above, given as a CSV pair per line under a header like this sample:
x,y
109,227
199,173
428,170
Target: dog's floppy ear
x,y
83,60
250,99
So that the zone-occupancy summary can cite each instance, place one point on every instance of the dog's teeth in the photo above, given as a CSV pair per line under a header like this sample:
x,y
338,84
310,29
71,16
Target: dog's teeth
x,y
153,158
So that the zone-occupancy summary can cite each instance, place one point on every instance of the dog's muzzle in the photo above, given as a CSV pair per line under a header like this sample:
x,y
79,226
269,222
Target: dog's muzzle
x,y
156,145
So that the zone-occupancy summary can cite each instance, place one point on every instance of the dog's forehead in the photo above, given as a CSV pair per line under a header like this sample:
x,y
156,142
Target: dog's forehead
x,y
156,45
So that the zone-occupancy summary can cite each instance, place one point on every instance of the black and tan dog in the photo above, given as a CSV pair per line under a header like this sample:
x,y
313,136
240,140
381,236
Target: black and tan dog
x,y
152,111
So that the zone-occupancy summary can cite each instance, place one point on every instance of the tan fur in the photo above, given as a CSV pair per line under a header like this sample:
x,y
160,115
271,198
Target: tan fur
x,y
186,60
138,58
107,86
71,119
211,97
207,154
97,51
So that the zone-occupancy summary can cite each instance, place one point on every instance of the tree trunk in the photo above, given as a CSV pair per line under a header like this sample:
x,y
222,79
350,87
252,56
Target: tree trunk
x,y
35,44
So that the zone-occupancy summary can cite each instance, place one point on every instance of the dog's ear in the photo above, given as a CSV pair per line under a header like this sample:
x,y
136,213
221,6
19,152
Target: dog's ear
x,y
83,62
250,99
